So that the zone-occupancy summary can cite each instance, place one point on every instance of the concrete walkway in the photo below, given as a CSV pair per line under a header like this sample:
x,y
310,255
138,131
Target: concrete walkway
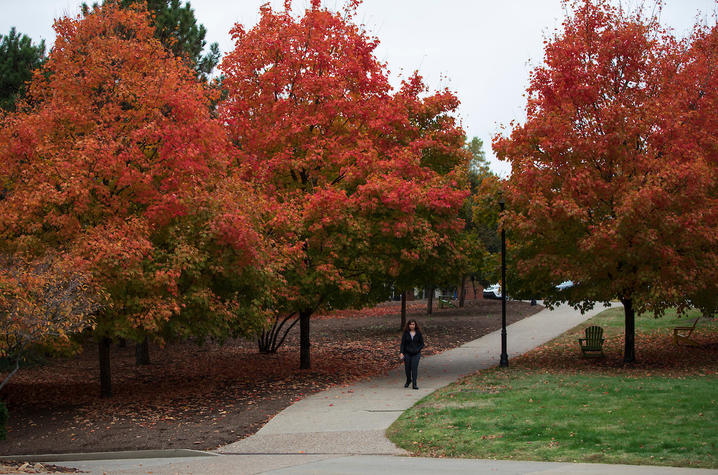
x,y
341,430
352,420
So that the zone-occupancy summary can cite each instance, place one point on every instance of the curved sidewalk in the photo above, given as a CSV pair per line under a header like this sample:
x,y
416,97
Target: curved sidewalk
x,y
341,430
352,420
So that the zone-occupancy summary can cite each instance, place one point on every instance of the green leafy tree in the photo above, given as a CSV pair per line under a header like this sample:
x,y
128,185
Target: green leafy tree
x,y
479,209
477,238
478,166
482,212
19,57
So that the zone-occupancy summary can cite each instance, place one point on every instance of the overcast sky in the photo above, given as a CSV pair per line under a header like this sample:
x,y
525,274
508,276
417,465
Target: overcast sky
x,y
483,50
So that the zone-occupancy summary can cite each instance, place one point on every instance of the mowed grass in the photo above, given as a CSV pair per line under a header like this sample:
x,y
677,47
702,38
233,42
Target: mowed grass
x,y
573,409
613,319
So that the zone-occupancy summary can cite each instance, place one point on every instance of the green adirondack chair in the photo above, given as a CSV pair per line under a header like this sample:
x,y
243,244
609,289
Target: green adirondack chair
x,y
446,301
592,344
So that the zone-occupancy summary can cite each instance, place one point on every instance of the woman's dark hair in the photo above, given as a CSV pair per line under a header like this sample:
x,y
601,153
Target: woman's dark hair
x,y
416,327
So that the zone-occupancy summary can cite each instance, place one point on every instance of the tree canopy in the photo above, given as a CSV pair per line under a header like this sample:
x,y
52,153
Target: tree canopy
x,y
42,304
177,29
117,168
368,177
598,190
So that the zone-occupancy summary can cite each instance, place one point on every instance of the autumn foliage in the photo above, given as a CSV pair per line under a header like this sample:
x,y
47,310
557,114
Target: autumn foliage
x,y
42,304
132,206
614,172
370,179
691,138
116,166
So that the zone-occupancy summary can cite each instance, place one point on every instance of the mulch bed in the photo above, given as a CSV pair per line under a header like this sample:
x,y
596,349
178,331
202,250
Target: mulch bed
x,y
205,396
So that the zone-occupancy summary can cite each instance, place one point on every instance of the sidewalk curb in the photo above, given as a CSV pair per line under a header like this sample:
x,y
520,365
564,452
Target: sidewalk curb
x,y
123,455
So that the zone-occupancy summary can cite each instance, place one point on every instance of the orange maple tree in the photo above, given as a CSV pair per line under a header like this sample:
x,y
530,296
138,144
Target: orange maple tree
x,y
605,189
116,165
41,304
367,177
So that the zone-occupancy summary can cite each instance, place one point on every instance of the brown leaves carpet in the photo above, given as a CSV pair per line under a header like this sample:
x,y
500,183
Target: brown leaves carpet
x,y
205,396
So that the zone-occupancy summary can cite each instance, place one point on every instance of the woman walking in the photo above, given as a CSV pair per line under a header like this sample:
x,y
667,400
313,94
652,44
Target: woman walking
x,y
410,351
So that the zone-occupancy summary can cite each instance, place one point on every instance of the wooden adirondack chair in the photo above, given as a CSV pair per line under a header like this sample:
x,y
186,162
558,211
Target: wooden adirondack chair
x,y
683,334
592,344
446,301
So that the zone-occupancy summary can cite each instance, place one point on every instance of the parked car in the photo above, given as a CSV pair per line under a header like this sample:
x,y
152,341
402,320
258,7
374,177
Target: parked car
x,y
492,292
564,285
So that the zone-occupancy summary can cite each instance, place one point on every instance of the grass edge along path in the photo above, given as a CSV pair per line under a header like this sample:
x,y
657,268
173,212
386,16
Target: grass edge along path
x,y
568,409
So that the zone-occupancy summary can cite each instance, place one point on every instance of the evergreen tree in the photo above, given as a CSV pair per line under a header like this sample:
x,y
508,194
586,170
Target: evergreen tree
x,y
18,58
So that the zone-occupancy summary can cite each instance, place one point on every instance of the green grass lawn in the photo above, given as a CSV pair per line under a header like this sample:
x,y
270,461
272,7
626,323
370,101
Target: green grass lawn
x,y
612,320
571,409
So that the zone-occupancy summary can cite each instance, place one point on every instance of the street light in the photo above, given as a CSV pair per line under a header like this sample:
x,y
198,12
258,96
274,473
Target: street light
x,y
504,362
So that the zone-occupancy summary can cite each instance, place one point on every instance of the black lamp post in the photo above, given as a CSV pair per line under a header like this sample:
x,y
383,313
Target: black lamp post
x,y
504,362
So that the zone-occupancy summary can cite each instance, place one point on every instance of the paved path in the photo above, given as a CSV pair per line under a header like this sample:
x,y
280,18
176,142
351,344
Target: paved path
x,y
341,430
353,420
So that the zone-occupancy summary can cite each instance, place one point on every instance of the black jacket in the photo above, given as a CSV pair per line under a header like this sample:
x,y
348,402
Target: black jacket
x,y
409,346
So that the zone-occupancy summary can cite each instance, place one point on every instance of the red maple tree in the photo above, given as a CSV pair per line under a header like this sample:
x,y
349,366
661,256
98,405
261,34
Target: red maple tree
x,y
367,177
598,189
689,135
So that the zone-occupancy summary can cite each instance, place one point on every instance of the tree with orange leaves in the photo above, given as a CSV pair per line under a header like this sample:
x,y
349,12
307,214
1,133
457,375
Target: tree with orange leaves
x,y
116,166
42,304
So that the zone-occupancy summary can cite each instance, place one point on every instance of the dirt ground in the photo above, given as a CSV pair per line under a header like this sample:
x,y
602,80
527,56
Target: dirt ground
x,y
205,396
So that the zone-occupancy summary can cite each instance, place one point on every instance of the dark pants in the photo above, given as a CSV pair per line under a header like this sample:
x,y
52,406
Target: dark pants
x,y
411,366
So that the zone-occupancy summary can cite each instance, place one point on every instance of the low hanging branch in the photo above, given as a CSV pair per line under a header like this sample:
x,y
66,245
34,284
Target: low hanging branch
x,y
41,304
267,340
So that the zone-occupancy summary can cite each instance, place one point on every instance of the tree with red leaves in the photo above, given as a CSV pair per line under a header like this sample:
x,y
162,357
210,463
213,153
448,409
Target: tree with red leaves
x,y
599,192
367,177
692,140
116,166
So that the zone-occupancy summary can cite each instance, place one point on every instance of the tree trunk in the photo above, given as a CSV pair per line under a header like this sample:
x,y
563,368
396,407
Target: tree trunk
x,y
403,310
304,346
430,301
105,378
142,353
121,343
629,351
12,373
267,339
462,292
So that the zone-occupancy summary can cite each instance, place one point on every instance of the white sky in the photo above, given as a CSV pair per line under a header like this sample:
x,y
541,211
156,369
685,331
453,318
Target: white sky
x,y
482,50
